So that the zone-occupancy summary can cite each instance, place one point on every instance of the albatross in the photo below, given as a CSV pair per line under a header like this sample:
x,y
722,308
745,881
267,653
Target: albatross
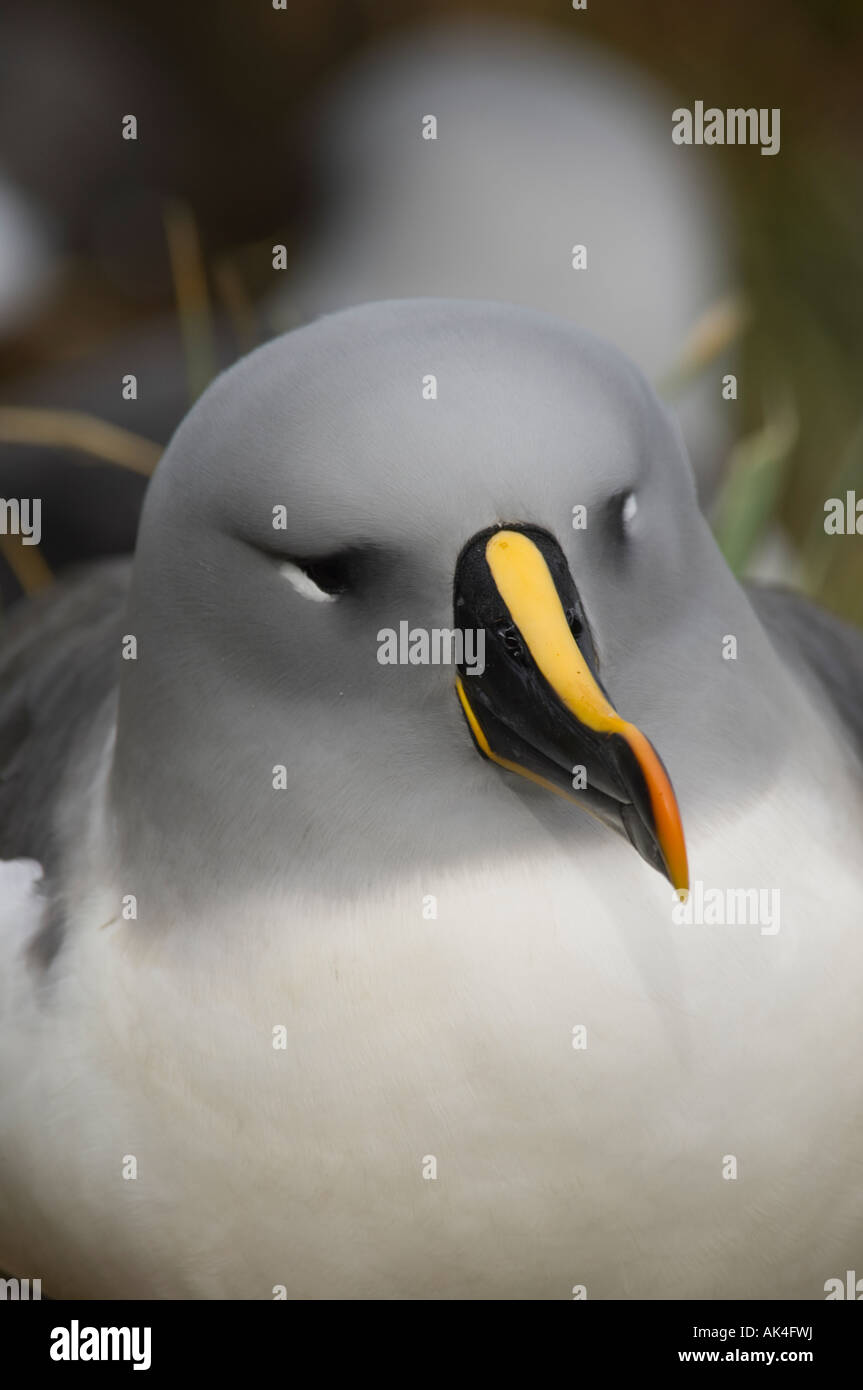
x,y
323,977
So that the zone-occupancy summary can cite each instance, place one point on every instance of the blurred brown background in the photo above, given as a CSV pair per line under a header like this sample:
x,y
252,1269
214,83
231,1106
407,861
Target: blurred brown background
x,y
224,92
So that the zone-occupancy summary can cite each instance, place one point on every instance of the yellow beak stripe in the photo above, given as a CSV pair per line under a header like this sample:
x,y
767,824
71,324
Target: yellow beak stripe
x,y
507,763
525,584
510,766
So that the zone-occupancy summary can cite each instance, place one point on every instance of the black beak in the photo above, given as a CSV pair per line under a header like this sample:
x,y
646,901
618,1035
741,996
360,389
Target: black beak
x,y
539,708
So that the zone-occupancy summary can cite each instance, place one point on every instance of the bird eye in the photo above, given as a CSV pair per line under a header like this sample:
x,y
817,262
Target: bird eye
x,y
321,581
628,509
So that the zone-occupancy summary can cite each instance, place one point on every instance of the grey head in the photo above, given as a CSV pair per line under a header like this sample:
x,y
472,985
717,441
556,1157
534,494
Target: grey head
x,y
325,491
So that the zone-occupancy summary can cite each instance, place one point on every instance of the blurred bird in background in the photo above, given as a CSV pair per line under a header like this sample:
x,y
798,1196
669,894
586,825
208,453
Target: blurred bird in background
x,y
543,143
155,257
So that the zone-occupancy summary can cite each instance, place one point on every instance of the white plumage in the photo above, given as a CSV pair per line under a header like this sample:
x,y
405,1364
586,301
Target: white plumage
x,y
408,1036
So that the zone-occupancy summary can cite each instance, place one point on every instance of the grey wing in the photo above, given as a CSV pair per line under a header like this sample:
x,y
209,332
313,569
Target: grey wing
x,y
59,662
828,651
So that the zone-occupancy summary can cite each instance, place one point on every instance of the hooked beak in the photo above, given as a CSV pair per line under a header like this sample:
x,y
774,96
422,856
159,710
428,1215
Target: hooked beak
x,y
539,708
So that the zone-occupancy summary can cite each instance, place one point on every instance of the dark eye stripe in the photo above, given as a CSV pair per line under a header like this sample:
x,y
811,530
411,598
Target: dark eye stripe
x,y
348,571
331,573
